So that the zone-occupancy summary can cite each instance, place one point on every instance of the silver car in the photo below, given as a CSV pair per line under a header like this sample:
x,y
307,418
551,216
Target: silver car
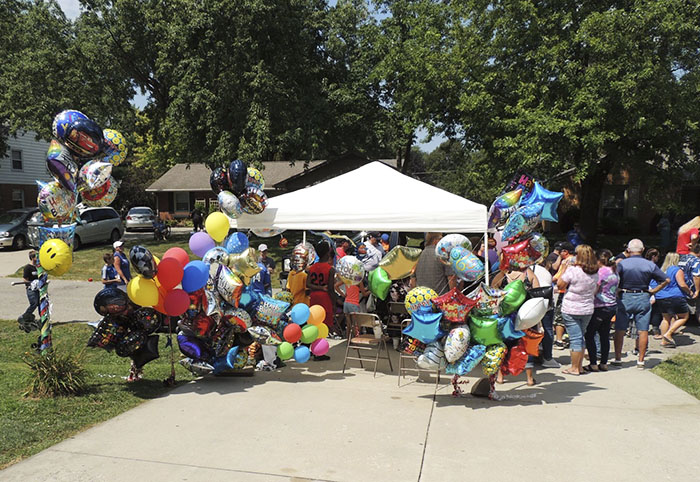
x,y
140,218
97,225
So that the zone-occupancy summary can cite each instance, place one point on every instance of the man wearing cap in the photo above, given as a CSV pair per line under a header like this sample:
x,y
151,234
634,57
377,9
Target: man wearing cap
x,y
633,302
384,243
374,254
265,259
121,264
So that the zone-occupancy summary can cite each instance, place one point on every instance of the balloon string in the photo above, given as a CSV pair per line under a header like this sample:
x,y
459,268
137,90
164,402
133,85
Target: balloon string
x,y
457,392
492,382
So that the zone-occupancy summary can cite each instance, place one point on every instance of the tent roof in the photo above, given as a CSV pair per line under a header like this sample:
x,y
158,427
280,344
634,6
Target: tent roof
x,y
374,197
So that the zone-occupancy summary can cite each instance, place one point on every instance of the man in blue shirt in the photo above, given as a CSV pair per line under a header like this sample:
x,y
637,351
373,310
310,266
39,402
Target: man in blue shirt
x,y
261,283
633,302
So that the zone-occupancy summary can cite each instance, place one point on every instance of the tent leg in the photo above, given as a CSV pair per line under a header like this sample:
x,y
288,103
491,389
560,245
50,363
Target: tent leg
x,y
486,255
303,239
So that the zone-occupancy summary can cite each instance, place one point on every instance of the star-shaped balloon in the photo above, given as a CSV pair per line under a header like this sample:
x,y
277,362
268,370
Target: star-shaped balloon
x,y
550,199
523,221
484,329
507,329
503,206
489,300
454,305
400,261
424,326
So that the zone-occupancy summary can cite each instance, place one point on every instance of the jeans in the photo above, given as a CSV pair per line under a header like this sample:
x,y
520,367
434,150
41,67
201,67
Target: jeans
x,y
548,339
33,297
633,306
600,325
576,327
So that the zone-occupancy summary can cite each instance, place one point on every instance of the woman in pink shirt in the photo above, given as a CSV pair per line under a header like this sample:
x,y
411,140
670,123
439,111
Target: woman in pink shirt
x,y
580,282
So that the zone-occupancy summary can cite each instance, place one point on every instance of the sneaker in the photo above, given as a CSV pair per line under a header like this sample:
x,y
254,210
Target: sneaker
x,y
617,363
559,345
551,363
640,365
635,352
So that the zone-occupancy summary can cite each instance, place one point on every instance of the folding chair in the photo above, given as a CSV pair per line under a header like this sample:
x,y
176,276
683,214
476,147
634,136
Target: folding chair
x,y
365,342
393,328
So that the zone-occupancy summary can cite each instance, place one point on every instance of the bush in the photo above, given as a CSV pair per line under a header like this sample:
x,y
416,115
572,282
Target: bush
x,y
58,373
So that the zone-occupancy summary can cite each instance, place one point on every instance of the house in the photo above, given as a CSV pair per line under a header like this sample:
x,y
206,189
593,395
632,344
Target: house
x,y
20,168
184,186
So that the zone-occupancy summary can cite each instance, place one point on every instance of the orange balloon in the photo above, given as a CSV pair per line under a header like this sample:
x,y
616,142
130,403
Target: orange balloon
x,y
316,315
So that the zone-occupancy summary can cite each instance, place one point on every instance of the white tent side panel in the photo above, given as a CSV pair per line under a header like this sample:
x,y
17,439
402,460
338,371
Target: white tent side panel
x,y
372,197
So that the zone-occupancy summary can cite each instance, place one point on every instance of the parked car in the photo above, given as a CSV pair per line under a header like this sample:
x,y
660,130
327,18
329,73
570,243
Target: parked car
x,y
13,227
97,225
141,217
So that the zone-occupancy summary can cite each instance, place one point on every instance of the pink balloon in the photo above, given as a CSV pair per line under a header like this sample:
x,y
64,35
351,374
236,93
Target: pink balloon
x,y
200,243
320,347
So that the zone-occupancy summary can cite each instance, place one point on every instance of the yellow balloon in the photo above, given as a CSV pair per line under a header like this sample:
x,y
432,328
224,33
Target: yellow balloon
x,y
400,261
322,330
244,264
142,291
217,226
55,256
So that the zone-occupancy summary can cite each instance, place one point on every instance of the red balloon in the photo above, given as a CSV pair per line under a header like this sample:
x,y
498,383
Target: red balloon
x,y
169,273
176,302
292,333
179,254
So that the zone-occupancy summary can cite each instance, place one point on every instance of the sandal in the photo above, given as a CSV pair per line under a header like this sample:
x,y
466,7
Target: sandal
x,y
603,368
590,368
668,342
567,372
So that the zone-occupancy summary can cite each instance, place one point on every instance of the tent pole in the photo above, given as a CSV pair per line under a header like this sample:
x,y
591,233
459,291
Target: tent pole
x,y
303,240
486,253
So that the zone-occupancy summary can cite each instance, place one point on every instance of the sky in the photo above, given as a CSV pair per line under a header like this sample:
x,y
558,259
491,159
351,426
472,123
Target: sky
x,y
72,9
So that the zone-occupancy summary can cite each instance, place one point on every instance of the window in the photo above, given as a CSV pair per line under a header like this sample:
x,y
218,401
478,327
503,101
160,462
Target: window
x,y
87,216
613,205
17,198
182,201
16,160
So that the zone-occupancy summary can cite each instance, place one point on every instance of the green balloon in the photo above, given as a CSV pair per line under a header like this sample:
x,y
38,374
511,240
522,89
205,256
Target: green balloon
x,y
379,283
515,296
484,329
285,350
309,334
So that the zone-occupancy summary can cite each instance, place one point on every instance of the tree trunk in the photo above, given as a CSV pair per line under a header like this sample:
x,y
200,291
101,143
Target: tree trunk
x,y
591,194
407,154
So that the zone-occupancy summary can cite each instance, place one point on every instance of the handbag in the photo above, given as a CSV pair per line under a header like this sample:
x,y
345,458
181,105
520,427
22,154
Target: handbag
x,y
532,341
541,292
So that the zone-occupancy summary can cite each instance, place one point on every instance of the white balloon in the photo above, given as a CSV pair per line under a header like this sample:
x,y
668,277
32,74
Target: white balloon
x,y
531,312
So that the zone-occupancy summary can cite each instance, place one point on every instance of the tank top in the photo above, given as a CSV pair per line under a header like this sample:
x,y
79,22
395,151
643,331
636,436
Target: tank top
x,y
319,274
124,265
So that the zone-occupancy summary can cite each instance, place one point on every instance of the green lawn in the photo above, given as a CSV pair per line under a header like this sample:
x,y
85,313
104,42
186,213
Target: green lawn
x,y
31,425
683,371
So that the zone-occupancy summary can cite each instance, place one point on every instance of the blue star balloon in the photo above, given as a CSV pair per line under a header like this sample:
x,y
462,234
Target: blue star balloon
x,y
523,221
507,329
550,199
424,326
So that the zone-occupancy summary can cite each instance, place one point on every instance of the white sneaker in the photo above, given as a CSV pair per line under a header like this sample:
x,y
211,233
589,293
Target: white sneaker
x,y
93,323
551,363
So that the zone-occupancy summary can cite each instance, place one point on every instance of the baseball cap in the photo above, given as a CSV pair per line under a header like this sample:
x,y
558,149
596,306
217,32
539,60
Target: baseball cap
x,y
635,246
116,244
373,234
385,237
262,247
566,246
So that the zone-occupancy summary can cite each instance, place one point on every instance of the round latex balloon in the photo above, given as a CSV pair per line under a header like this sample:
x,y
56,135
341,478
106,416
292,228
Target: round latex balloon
x,y
179,254
106,199
322,331
515,296
466,265
379,283
229,204
419,297
309,334
244,264
350,270
200,243
55,202
142,291
195,276
55,256
217,226
218,180
285,351
400,262
143,262
300,313
237,242
60,164
217,254
493,358
93,174
237,175
253,200
445,245
254,179
320,347
302,354
176,302
317,314
63,120
115,147
84,138
292,333
484,329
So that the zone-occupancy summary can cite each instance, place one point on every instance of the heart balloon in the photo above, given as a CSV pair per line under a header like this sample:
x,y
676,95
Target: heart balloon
x,y
465,264
468,362
350,270
60,164
445,245
493,358
484,329
229,204
454,305
549,199
420,297
379,283
400,262
84,138
115,147
514,297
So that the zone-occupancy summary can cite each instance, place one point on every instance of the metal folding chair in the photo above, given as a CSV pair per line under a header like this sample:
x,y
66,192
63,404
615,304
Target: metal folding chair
x,y
366,342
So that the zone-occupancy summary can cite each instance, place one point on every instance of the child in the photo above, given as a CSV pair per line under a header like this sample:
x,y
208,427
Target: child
x,y
296,284
321,284
110,278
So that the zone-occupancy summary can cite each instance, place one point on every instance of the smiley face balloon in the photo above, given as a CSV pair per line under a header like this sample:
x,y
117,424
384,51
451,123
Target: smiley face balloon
x,y
56,257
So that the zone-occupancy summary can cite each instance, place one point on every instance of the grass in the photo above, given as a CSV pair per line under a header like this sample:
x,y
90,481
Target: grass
x,y
683,371
30,425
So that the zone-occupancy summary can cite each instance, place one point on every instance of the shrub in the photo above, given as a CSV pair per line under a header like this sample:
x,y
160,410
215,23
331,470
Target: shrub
x,y
58,373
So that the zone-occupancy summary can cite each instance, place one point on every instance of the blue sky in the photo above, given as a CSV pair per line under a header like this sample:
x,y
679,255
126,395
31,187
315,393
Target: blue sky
x,y
72,9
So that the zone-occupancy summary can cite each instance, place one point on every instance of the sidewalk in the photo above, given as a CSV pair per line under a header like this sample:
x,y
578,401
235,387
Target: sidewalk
x,y
311,422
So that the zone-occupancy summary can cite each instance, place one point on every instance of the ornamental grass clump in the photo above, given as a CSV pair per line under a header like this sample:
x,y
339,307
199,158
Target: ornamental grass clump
x,y
58,373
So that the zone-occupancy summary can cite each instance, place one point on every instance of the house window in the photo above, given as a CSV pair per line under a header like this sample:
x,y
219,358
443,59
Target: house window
x,y
613,205
182,201
17,198
16,160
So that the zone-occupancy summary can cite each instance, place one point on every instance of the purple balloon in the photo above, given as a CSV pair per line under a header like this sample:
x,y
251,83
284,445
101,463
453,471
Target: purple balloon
x,y
200,243
193,347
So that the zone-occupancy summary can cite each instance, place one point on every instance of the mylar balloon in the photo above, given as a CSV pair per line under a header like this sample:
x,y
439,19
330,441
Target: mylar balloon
x,y
400,262
515,296
269,233
253,200
350,270
379,283
468,362
217,226
489,300
249,299
200,243
229,285
445,245
104,200
270,310
97,193
130,342
456,343
93,174
107,332
419,297
549,199
285,296
465,264
60,164
142,291
84,138
111,301
219,180
522,221
454,305
502,208
115,147
55,202
507,329
142,261
531,312
518,256
147,319
217,254
484,329
265,336
229,204
194,348
540,244
493,358
254,179
433,358
237,175
55,257
515,360
244,263
237,242
424,326
63,120
300,257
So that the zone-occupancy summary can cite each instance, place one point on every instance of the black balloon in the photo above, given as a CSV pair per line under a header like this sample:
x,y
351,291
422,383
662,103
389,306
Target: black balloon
x,y
237,175
111,301
143,262
107,333
219,180
84,138
147,319
130,342
147,352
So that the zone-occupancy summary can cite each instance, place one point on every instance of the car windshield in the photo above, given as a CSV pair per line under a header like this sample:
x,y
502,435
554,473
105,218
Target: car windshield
x,y
141,211
11,217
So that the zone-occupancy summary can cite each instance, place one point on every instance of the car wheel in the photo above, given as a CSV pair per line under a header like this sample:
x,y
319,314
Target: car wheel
x,y
76,243
115,235
20,242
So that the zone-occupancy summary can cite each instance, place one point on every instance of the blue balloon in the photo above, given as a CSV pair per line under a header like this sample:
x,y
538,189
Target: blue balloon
x,y
195,276
237,175
302,354
63,120
249,300
300,313
236,243
507,328
425,326
231,356
550,199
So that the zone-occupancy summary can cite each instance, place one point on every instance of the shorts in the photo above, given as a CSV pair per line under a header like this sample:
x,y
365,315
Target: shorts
x,y
633,306
351,308
673,306
558,320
